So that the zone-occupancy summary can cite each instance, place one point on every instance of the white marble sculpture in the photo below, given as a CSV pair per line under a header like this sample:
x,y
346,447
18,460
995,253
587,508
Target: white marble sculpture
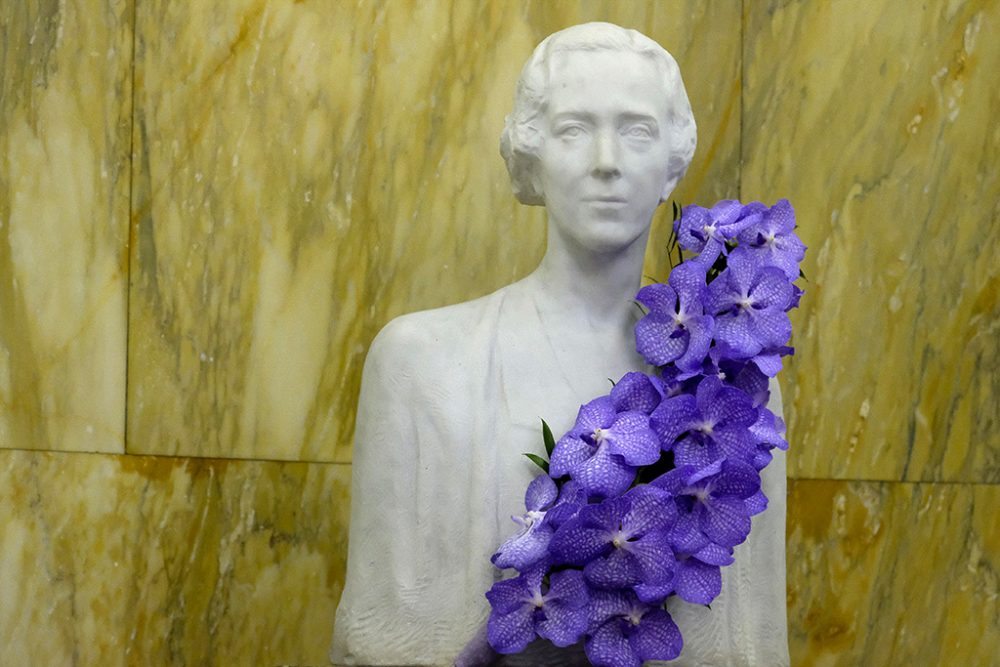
x,y
600,135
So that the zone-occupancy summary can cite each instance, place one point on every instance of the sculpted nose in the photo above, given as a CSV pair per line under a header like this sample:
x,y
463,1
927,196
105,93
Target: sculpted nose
x,y
607,155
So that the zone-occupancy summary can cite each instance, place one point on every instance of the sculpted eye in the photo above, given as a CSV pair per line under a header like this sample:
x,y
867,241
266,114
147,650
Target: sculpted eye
x,y
639,132
570,131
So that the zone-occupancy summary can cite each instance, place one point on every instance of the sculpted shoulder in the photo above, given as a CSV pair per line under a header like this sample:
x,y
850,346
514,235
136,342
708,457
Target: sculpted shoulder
x,y
429,342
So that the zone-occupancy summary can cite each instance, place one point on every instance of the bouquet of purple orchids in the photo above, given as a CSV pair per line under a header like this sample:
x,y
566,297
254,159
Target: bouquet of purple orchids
x,y
648,493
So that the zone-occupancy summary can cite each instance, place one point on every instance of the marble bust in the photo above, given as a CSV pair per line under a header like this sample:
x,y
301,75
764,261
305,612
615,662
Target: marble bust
x,y
600,134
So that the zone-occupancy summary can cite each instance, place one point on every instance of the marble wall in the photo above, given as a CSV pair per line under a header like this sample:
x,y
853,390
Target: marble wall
x,y
65,118
207,211
141,560
298,184
878,123
876,119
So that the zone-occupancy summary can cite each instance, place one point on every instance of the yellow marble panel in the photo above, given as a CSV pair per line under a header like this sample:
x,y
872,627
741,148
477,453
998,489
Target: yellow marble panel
x,y
304,172
65,105
877,119
893,573
127,560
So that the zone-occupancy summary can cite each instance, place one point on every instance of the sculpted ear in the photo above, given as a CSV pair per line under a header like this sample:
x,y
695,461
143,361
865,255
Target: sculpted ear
x,y
538,194
529,182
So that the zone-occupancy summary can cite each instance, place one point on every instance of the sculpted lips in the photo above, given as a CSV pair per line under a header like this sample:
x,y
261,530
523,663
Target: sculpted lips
x,y
608,200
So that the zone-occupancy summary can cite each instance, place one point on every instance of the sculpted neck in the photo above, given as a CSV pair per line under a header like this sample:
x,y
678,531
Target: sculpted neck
x,y
587,288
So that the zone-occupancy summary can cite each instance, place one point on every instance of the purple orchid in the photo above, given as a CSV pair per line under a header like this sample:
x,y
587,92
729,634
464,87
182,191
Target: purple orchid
x,y
706,231
768,360
524,607
771,240
766,363
621,542
757,503
715,495
531,544
767,433
671,381
625,631
599,558
715,420
768,430
604,447
797,293
699,574
637,392
697,577
749,303
676,328
749,378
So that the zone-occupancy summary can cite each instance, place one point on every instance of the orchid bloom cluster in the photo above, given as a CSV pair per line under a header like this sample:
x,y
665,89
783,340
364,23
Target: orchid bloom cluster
x,y
656,483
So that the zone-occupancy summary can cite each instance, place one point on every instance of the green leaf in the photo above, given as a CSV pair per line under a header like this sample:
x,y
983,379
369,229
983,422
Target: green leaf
x,y
802,275
550,442
538,461
717,268
677,209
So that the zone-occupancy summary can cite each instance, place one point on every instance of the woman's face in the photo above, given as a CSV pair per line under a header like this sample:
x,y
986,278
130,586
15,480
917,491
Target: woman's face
x,y
603,161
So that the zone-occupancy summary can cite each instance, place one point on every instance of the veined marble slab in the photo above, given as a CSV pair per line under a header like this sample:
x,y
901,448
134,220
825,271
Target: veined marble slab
x,y
150,560
878,120
115,560
305,172
891,573
65,106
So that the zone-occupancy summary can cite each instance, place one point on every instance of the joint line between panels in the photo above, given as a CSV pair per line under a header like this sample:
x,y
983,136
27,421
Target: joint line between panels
x,y
924,482
131,205
179,457
743,85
